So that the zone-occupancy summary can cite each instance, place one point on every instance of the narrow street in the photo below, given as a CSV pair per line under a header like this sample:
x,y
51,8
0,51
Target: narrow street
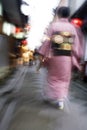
x,y
54,32
22,106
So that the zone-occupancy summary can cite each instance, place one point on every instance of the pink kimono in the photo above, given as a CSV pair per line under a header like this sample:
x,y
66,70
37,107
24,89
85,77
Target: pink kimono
x,y
59,67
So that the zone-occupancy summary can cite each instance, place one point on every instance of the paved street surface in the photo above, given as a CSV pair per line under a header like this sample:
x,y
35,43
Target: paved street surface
x,y
25,109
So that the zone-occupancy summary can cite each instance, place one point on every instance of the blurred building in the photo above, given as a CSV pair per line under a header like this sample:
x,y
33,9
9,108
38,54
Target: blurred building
x,y
79,10
13,28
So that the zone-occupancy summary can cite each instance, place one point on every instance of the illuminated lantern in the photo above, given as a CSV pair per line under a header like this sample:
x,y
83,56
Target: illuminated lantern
x,y
25,9
76,21
18,30
8,28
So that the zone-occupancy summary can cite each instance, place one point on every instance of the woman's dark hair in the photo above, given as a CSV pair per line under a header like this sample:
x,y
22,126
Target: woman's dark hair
x,y
63,12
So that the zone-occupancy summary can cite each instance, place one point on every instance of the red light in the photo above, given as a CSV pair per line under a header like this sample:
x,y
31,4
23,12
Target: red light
x,y
77,22
24,42
18,30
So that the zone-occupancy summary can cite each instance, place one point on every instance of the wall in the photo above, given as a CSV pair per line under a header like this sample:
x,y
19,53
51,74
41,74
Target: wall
x,y
75,4
4,57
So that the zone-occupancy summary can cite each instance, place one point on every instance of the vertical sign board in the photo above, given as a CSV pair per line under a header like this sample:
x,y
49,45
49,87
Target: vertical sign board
x,y
4,49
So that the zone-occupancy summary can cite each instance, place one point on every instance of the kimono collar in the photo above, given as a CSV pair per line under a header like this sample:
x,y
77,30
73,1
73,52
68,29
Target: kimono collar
x,y
64,20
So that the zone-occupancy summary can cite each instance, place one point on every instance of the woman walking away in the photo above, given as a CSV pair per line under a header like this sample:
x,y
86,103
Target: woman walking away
x,y
65,51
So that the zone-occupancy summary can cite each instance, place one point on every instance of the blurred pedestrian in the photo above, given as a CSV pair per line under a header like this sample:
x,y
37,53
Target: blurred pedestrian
x,y
31,58
61,53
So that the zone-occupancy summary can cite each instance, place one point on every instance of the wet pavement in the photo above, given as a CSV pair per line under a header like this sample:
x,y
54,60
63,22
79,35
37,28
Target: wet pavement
x,y
25,109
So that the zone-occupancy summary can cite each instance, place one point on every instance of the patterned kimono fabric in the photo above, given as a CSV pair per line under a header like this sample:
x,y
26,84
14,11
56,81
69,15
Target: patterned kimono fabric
x,y
64,48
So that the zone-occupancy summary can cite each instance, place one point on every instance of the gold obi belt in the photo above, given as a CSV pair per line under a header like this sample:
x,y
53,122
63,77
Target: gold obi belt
x,y
61,43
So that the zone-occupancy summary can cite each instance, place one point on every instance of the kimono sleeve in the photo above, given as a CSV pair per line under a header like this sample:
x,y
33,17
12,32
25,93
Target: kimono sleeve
x,y
44,49
77,48
78,45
